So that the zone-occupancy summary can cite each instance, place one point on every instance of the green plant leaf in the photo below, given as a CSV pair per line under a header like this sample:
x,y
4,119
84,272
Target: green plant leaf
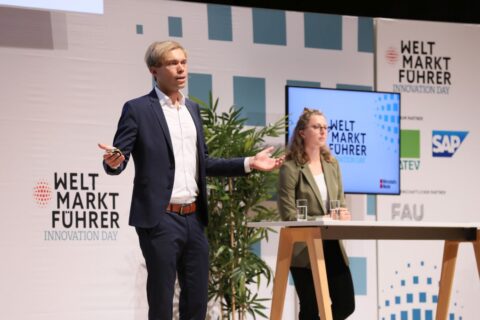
x,y
235,270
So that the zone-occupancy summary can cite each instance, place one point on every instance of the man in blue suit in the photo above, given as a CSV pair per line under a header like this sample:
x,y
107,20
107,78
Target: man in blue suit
x,y
163,132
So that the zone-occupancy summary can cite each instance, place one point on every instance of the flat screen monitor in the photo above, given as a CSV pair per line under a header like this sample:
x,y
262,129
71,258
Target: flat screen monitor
x,y
363,134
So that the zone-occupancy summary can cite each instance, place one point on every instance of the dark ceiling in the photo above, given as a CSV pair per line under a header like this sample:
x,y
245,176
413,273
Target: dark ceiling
x,y
461,11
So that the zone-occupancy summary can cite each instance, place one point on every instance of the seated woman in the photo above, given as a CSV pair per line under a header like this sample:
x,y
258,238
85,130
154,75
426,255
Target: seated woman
x,y
312,173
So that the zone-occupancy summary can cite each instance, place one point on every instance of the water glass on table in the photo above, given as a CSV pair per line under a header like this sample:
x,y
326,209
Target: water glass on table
x,y
335,209
302,209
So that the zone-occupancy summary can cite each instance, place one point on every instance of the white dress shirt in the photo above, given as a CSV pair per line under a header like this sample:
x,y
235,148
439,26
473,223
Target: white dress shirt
x,y
183,134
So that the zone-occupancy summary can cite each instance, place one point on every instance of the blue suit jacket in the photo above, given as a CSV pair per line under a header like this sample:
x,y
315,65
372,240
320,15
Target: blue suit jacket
x,y
143,133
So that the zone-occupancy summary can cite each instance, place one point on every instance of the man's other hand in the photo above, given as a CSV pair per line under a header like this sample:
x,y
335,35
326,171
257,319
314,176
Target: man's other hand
x,y
263,160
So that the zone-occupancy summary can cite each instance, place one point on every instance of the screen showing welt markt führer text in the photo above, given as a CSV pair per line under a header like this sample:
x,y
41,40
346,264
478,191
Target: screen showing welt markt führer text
x,y
363,134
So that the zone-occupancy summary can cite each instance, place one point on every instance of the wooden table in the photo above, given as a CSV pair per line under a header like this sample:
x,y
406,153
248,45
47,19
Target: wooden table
x,y
313,232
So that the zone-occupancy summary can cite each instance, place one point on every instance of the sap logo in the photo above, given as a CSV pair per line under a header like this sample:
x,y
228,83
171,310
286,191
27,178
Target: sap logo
x,y
407,211
446,143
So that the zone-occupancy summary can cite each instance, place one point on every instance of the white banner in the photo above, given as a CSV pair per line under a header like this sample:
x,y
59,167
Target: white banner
x,y
435,67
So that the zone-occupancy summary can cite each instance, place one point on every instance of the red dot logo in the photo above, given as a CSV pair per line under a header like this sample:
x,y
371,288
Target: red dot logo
x,y
391,55
42,193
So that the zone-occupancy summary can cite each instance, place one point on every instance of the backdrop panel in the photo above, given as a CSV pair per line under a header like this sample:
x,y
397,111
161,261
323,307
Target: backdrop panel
x,y
435,67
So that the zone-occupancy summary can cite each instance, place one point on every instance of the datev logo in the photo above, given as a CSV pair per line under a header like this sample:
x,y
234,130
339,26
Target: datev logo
x,y
446,143
410,150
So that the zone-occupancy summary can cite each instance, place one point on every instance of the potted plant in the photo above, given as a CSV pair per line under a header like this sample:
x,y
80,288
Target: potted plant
x,y
235,270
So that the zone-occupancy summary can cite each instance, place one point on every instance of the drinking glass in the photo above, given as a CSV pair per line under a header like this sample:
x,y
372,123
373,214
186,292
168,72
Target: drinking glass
x,y
302,209
335,209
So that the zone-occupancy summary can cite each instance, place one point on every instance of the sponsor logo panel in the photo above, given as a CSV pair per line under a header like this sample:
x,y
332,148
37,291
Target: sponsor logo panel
x,y
78,210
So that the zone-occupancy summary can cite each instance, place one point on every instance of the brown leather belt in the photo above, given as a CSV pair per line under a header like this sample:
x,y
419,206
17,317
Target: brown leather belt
x,y
182,209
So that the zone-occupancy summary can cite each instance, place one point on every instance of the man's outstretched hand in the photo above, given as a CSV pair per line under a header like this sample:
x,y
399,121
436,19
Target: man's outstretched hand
x,y
113,157
263,160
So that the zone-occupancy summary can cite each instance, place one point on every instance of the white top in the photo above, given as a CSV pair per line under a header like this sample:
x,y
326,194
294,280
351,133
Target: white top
x,y
322,187
184,142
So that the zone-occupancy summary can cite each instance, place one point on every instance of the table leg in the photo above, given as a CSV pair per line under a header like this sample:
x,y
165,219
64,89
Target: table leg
x,y
476,249
284,258
446,278
319,272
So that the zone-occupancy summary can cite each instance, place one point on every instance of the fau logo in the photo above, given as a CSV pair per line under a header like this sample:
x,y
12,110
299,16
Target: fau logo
x,y
446,143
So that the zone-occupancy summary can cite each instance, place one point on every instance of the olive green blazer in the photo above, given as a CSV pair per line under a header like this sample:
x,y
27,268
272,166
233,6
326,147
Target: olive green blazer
x,y
297,182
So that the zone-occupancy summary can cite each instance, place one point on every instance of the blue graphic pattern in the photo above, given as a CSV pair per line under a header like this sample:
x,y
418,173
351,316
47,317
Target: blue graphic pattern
x,y
300,83
323,31
249,94
410,300
371,205
365,34
347,86
269,26
358,267
175,27
388,106
219,22
200,86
